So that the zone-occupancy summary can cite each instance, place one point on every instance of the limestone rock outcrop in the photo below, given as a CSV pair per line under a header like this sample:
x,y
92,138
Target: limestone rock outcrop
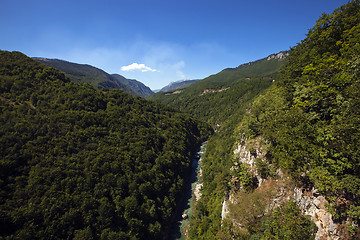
x,y
280,55
314,205
310,202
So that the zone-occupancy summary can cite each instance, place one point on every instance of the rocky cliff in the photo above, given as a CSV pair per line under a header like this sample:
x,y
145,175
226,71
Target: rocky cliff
x,y
249,152
280,55
314,205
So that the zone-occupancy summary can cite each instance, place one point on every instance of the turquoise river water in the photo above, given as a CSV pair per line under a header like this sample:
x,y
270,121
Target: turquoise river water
x,y
183,215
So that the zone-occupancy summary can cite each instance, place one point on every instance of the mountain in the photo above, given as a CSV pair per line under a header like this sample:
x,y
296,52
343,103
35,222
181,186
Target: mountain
x,y
219,96
96,77
139,88
262,66
178,85
82,163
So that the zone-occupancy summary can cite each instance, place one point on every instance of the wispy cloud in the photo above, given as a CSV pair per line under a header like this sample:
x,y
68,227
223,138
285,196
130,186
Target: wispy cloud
x,y
138,67
153,63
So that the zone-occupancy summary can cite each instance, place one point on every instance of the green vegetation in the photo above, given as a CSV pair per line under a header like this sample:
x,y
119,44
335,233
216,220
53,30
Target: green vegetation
x,y
81,163
220,97
287,222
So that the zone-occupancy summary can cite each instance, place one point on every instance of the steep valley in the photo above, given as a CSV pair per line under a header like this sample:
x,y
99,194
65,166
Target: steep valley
x,y
282,157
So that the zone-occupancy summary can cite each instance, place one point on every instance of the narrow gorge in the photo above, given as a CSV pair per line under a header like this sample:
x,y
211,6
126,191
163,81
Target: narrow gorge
x,y
190,195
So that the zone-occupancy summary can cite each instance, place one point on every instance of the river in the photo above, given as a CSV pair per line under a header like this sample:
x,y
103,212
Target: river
x,y
184,212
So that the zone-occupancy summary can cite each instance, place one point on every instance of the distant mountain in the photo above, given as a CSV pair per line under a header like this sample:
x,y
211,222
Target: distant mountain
x,y
98,78
178,85
140,88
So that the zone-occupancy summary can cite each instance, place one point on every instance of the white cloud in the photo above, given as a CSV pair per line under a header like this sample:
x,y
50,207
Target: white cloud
x,y
138,67
181,75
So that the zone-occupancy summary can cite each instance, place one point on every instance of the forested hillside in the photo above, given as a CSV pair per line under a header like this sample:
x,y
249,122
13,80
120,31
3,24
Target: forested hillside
x,y
305,122
222,96
83,73
81,163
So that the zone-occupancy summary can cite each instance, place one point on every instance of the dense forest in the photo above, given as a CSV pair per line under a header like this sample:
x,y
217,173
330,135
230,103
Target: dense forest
x,y
82,163
308,117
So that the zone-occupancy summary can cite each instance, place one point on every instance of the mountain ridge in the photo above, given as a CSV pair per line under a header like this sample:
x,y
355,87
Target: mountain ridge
x,y
97,77
227,88
280,55
178,85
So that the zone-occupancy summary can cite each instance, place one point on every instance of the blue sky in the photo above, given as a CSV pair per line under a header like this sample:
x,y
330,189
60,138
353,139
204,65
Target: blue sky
x,y
157,41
